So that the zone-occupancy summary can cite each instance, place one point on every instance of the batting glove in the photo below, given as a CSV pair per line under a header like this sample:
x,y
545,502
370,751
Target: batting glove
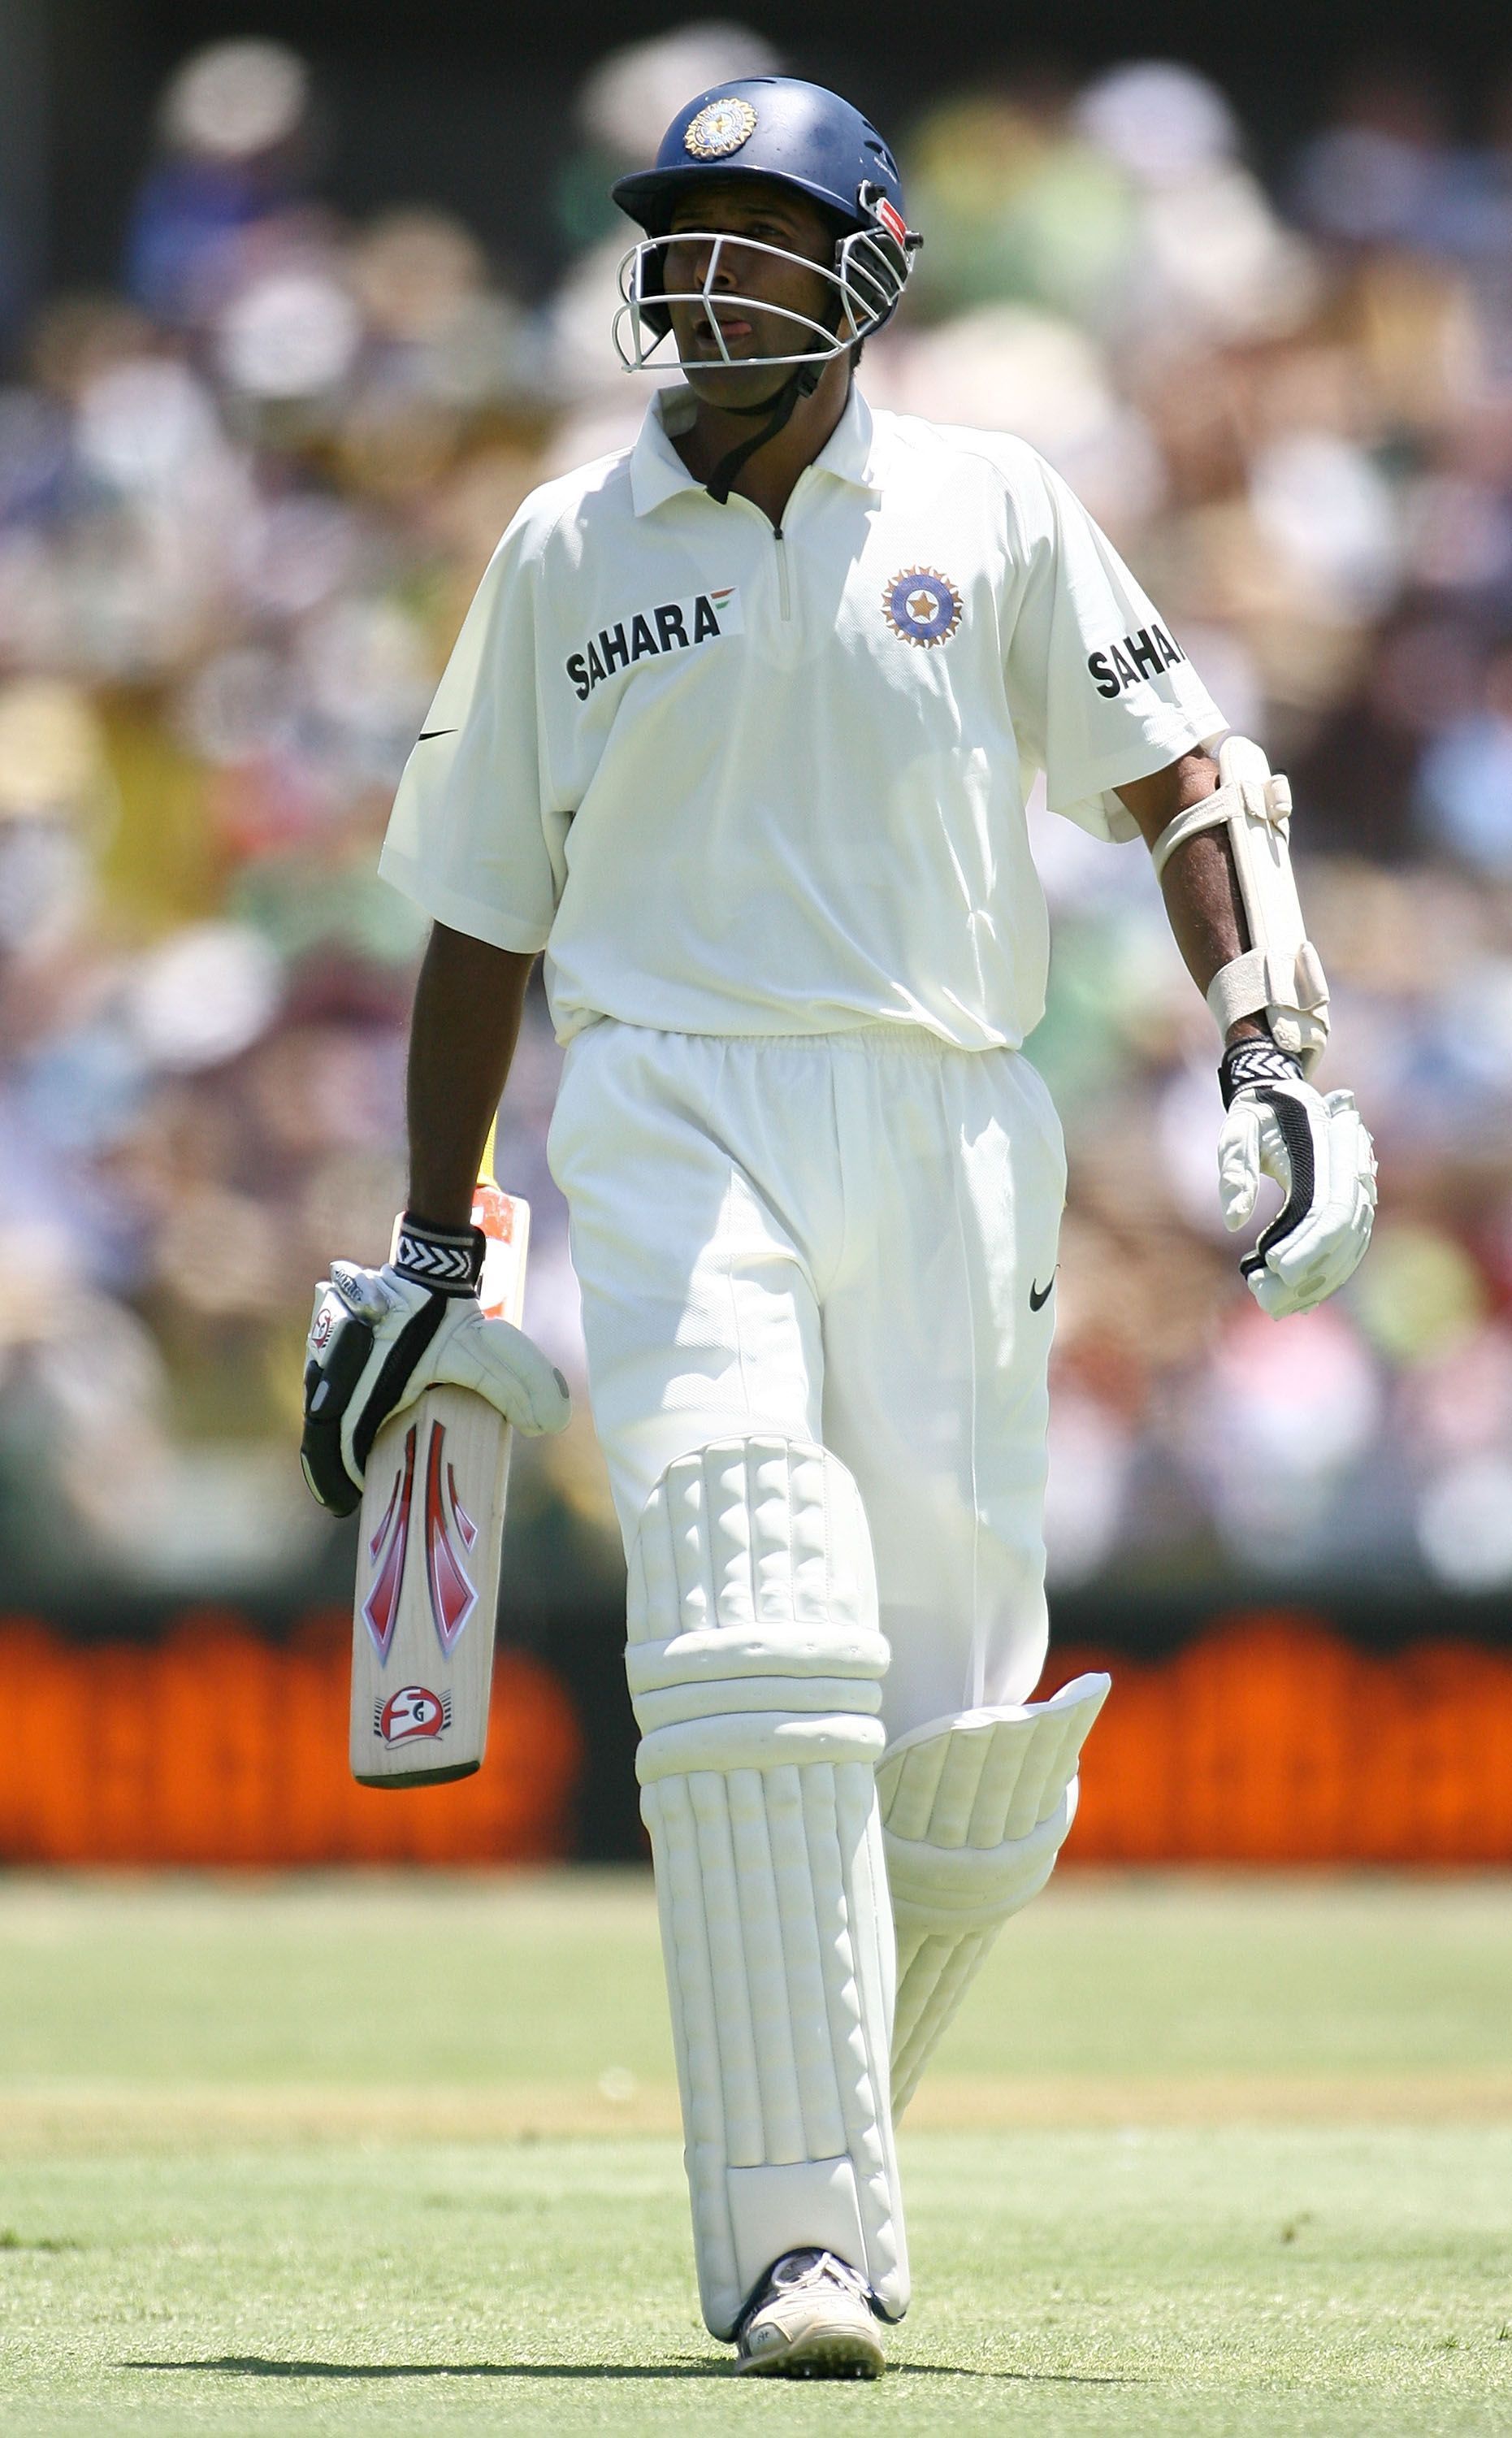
x,y
1315,1147
379,1338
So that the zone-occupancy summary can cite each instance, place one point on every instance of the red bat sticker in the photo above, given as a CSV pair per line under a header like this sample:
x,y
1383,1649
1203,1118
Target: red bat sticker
x,y
392,1539
454,1594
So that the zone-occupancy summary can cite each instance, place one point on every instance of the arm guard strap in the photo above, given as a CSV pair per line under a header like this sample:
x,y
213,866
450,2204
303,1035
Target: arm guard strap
x,y
1280,975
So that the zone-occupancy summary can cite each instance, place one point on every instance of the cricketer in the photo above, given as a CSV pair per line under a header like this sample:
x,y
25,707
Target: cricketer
x,y
738,732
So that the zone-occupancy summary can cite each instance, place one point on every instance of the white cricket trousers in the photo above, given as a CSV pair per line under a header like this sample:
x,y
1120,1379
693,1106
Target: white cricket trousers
x,y
845,1239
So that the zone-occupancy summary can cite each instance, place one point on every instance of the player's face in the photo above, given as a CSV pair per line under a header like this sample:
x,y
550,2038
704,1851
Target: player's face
x,y
772,290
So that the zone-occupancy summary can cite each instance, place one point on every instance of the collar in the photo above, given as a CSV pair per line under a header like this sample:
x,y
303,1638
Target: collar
x,y
656,471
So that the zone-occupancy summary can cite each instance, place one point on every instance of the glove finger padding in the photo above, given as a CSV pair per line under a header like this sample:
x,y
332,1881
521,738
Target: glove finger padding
x,y
1318,1151
377,1341
1239,1163
500,1363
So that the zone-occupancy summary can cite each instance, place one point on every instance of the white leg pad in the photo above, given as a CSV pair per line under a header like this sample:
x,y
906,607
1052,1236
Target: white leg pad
x,y
755,1665
975,1810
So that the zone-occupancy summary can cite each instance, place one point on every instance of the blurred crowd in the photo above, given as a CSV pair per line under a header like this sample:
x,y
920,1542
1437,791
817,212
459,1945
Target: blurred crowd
x,y
244,499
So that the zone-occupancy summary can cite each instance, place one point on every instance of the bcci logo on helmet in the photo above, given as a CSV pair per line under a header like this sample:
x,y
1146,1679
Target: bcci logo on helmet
x,y
719,128
413,1711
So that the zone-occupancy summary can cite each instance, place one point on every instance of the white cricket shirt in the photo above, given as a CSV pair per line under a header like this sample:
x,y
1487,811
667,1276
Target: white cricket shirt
x,y
735,780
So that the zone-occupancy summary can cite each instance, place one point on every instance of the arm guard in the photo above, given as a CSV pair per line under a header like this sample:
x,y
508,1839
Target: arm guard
x,y
1280,975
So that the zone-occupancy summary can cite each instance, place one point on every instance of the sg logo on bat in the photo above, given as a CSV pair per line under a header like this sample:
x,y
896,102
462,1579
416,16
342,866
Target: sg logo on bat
x,y
413,1711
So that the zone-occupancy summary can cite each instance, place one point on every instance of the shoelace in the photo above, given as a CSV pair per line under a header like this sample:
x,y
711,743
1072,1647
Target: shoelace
x,y
817,2267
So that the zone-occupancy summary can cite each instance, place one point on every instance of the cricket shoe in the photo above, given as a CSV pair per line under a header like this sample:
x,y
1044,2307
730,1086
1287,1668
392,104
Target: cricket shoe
x,y
811,2318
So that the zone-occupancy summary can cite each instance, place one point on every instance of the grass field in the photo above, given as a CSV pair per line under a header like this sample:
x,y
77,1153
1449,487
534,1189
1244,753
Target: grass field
x,y
1205,2155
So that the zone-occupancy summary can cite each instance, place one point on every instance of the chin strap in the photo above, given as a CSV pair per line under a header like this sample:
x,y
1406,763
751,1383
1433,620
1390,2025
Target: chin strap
x,y
778,409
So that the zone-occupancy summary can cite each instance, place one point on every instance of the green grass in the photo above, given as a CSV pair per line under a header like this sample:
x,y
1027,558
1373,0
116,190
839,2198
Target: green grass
x,y
1207,2156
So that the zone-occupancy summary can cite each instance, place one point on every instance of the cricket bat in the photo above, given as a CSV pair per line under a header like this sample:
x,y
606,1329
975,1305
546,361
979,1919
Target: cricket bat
x,y
432,1523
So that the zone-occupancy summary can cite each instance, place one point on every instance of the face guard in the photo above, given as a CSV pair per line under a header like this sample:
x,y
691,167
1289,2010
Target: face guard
x,y
870,270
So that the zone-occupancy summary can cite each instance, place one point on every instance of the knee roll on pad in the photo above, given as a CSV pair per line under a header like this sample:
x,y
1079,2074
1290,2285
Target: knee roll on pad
x,y
975,1810
755,1665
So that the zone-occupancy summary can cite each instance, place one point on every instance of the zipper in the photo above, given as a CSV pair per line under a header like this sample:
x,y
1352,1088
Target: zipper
x,y
783,594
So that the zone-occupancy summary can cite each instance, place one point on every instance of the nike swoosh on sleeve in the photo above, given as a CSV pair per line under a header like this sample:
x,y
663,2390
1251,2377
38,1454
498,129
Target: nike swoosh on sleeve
x,y
1039,1296
427,732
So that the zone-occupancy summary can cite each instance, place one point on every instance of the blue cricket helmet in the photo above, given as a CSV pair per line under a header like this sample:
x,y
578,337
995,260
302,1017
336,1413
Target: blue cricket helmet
x,y
798,135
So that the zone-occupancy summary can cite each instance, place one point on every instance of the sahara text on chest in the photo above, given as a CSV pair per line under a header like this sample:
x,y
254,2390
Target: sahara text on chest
x,y
671,627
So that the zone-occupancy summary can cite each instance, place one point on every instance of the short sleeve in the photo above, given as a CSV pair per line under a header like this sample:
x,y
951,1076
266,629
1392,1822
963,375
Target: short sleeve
x,y
468,838
1100,688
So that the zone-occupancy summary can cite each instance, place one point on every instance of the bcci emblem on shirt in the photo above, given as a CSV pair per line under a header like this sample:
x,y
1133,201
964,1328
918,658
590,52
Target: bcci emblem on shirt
x,y
921,606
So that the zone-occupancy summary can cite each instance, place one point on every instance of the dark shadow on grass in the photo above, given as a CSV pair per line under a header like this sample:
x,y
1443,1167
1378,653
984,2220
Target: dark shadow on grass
x,y
681,2366
255,2366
